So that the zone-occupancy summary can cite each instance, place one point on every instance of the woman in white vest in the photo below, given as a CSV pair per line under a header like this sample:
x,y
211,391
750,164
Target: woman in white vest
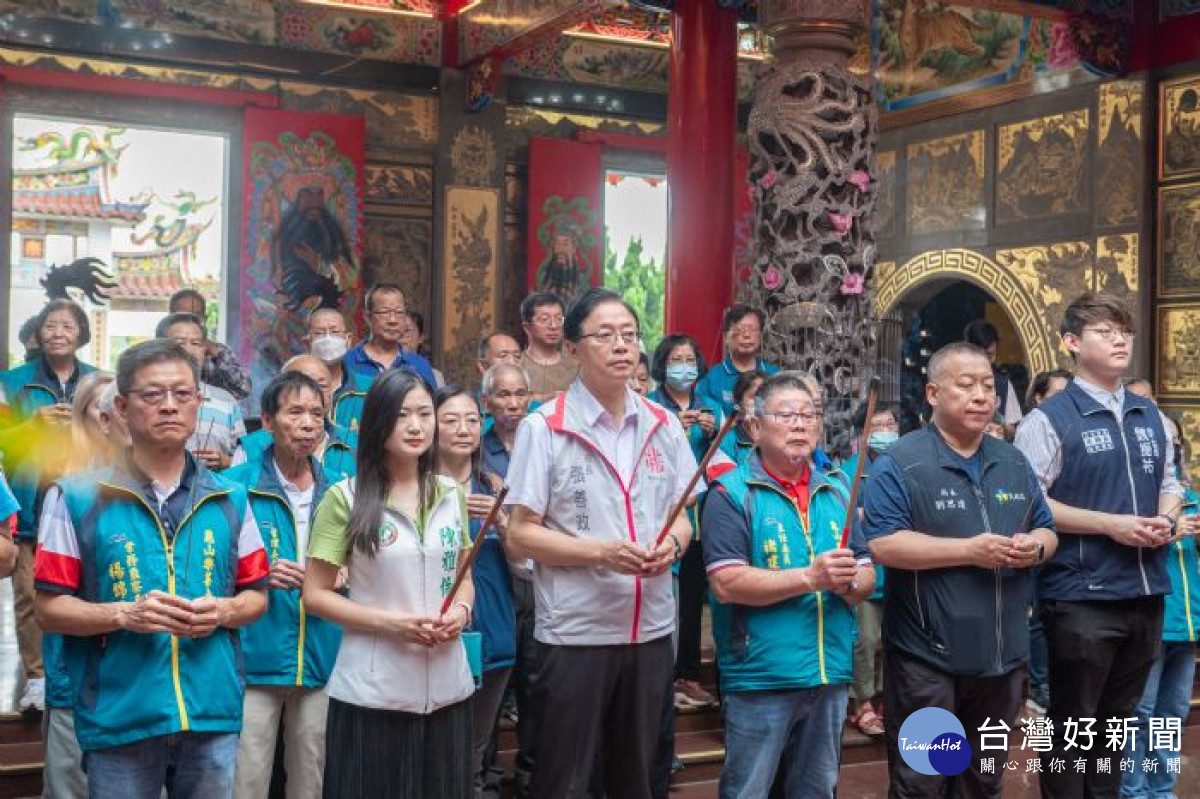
x,y
399,711
595,472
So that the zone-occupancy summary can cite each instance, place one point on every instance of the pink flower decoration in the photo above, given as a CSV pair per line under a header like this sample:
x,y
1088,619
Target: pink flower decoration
x,y
769,179
1062,50
852,283
860,179
841,222
772,279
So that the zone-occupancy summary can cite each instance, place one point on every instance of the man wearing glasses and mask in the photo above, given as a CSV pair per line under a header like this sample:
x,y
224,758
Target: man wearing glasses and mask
x,y
387,318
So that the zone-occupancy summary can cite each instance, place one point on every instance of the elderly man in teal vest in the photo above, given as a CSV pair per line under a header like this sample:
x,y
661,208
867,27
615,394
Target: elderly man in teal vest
x,y
784,590
147,567
288,653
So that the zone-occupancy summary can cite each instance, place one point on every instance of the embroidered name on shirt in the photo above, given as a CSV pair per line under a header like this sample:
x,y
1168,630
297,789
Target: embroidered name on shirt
x,y
654,461
1147,447
1097,441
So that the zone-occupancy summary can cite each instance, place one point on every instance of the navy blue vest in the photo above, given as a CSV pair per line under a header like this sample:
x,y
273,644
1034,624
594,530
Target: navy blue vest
x,y
1113,466
962,620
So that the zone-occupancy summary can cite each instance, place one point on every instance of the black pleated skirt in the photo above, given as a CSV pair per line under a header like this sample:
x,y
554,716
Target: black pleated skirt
x,y
387,754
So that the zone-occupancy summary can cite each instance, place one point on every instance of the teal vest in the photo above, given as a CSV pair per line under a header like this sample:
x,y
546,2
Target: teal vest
x,y
347,409
338,459
1181,619
132,686
803,642
286,646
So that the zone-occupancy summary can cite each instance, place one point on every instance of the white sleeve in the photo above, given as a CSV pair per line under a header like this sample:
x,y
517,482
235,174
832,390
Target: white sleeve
x,y
529,467
1012,407
1040,445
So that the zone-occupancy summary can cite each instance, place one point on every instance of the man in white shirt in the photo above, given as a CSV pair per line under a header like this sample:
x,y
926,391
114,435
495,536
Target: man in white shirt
x,y
594,476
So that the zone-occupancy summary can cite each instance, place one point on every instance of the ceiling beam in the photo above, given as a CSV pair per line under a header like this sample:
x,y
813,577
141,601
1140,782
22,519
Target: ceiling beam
x,y
483,33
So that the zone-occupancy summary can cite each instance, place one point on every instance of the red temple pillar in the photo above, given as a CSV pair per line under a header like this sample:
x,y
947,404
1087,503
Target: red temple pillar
x,y
702,122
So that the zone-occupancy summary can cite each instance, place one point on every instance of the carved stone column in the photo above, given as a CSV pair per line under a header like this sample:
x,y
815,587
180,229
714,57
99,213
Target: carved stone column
x,y
812,145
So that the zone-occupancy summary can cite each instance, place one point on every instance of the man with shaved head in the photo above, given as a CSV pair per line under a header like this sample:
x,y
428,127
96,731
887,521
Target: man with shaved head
x,y
332,449
958,519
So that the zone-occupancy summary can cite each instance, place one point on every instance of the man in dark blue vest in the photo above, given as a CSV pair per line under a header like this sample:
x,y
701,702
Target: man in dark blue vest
x,y
1103,457
958,520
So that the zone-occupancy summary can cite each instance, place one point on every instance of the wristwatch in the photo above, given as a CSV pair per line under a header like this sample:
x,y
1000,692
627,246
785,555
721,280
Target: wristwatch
x,y
678,546
1041,552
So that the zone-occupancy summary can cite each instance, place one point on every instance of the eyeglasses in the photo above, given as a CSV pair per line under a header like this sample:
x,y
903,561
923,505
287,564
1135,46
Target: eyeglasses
x,y
68,328
686,360
606,338
390,313
789,418
549,321
1110,334
157,396
745,330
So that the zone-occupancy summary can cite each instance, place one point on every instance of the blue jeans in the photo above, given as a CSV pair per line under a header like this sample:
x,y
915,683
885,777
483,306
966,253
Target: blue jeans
x,y
798,731
1168,694
190,765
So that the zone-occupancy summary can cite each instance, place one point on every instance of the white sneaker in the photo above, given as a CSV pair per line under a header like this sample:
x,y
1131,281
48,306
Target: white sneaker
x,y
34,698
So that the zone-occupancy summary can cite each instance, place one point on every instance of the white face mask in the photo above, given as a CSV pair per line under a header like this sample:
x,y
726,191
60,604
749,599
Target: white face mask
x,y
329,348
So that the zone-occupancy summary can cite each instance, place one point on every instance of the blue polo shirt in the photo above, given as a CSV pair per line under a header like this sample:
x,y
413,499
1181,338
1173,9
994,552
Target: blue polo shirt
x,y
717,385
359,363
494,456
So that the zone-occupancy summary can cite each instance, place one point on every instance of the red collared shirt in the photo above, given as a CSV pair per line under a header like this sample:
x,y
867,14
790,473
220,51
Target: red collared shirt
x,y
798,490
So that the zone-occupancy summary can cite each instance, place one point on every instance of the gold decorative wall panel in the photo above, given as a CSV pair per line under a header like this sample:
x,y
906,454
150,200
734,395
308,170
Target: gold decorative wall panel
x,y
1179,124
1179,240
945,184
1119,153
1178,363
885,201
1042,167
470,248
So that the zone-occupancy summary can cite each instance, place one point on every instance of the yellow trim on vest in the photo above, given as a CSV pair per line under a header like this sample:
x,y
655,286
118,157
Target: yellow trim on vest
x,y
169,548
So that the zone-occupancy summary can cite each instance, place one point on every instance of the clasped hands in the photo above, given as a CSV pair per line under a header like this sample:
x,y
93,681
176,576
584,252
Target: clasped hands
x,y
428,631
627,557
159,612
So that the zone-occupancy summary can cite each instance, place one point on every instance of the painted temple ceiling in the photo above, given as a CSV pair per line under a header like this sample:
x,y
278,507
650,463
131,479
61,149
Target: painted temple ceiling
x,y
920,51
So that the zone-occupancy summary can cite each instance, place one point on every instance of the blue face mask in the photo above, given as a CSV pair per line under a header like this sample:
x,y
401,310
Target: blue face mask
x,y
682,376
882,440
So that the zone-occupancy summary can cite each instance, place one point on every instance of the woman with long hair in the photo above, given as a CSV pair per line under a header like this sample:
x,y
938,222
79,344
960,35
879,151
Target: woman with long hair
x,y
459,425
399,711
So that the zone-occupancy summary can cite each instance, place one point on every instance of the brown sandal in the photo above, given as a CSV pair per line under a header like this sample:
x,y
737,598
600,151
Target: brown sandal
x,y
868,723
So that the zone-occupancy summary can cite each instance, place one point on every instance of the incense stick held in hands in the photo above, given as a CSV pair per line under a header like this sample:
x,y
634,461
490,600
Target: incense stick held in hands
x,y
687,493
852,508
465,566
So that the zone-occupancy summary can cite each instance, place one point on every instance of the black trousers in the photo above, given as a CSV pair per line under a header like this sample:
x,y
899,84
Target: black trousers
x,y
693,586
909,685
1100,655
398,755
599,699
523,676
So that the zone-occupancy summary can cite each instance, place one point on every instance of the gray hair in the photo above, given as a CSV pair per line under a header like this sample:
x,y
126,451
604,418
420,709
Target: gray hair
x,y
108,398
937,363
791,379
489,377
147,353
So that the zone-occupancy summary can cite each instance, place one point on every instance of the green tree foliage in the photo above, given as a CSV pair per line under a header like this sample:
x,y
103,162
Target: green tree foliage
x,y
641,282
